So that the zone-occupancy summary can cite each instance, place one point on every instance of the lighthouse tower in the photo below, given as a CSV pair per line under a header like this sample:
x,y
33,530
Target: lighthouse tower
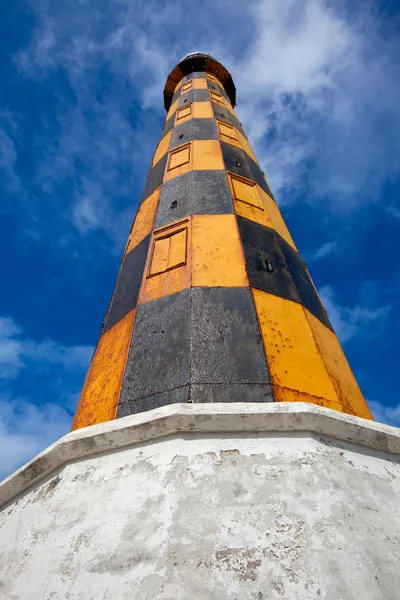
x,y
221,447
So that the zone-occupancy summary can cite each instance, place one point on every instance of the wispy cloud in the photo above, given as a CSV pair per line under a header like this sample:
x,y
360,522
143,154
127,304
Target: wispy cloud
x,y
307,75
31,420
10,348
26,429
349,322
310,82
385,414
16,351
325,250
9,178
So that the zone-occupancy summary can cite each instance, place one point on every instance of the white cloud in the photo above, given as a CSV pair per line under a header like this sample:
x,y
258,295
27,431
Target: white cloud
x,y
311,78
350,322
307,75
26,430
8,159
325,250
385,414
10,348
16,351
29,423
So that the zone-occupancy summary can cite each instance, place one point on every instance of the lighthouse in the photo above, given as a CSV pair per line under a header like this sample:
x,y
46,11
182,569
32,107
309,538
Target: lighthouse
x,y
221,447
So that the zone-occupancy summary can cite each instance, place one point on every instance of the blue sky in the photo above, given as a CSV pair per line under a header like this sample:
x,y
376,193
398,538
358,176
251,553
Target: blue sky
x,y
81,110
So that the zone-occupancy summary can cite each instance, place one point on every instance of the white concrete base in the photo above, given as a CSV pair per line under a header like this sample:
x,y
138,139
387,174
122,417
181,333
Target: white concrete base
x,y
216,501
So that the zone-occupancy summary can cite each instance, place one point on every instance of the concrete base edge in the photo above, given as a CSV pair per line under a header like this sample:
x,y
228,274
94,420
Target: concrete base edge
x,y
206,418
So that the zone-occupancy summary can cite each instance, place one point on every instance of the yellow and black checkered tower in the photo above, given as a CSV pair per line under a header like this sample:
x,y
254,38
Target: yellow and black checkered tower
x,y
212,302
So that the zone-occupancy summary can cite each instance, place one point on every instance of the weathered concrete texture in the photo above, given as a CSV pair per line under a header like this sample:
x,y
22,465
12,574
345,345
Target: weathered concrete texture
x,y
220,515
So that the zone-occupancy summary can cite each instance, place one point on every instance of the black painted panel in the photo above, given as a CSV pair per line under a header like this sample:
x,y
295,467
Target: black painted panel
x,y
155,177
158,358
193,129
194,193
228,392
177,395
201,96
182,133
260,244
217,87
128,284
235,160
289,278
308,295
258,175
175,200
223,114
210,193
168,125
185,99
205,129
226,341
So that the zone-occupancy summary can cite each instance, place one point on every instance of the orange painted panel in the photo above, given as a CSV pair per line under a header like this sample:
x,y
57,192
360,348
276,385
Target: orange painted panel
x,y
171,250
229,107
178,85
245,190
100,394
159,260
198,155
172,109
178,157
177,249
186,86
217,257
207,155
144,220
217,98
246,146
247,202
202,110
228,133
226,130
288,395
179,161
181,113
275,217
162,148
200,84
347,389
211,77
296,367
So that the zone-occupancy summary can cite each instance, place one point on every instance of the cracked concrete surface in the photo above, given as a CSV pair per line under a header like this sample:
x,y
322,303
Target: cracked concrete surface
x,y
211,515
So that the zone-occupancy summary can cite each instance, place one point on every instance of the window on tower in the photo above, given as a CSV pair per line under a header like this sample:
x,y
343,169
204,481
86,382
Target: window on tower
x,y
169,249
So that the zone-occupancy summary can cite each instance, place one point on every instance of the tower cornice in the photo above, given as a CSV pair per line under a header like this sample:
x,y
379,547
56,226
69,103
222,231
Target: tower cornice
x,y
198,62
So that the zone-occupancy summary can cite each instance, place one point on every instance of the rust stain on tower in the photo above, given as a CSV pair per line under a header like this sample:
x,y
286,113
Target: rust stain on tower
x,y
212,302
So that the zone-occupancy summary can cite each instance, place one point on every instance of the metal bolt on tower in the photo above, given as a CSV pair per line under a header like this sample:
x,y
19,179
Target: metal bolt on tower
x,y
212,302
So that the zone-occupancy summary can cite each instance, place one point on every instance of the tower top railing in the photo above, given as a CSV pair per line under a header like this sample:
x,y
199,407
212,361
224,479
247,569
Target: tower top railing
x,y
194,62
